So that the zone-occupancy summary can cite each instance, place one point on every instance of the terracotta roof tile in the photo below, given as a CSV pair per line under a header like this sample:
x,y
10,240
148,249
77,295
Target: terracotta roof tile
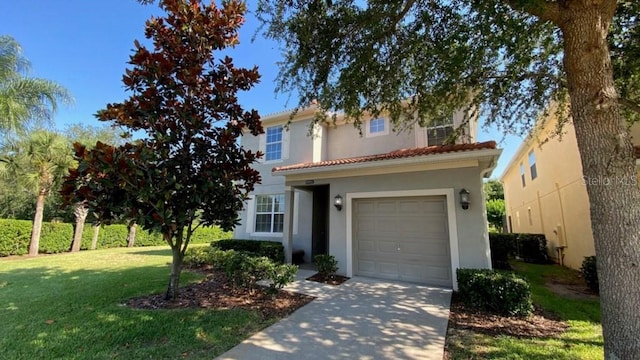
x,y
397,154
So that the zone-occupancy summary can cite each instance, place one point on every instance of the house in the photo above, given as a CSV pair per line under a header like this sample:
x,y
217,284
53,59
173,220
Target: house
x,y
386,204
545,192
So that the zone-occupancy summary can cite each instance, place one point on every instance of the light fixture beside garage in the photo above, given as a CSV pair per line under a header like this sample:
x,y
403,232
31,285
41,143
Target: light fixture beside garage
x,y
464,198
337,202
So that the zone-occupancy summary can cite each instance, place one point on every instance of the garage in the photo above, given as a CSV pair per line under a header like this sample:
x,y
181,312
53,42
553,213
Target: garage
x,y
402,238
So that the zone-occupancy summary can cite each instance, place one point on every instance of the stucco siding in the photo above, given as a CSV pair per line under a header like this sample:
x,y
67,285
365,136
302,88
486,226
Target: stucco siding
x,y
344,141
555,203
471,224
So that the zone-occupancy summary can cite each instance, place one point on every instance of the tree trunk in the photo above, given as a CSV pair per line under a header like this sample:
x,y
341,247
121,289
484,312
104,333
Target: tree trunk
x,y
94,239
34,245
80,211
176,269
131,238
609,173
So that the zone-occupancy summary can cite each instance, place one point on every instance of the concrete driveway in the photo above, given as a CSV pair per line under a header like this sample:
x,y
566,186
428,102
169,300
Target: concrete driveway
x,y
360,319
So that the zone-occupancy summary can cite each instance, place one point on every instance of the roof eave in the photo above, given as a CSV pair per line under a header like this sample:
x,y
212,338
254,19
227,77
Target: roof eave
x,y
487,155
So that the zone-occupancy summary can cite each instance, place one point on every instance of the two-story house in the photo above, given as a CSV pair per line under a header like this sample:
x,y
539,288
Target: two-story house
x,y
545,191
392,205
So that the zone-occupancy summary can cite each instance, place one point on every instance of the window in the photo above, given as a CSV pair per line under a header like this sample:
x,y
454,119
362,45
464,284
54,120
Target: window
x,y
522,175
532,165
439,132
269,213
530,217
376,127
273,149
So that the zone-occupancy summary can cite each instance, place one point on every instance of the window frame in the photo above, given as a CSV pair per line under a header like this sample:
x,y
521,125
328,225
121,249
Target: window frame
x,y
385,127
271,212
533,169
436,127
277,142
523,175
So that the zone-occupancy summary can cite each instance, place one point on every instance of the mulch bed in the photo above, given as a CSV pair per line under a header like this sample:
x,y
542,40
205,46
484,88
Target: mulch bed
x,y
541,324
331,279
216,292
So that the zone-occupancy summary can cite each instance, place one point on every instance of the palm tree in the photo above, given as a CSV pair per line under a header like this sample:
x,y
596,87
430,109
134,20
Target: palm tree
x,y
39,161
24,100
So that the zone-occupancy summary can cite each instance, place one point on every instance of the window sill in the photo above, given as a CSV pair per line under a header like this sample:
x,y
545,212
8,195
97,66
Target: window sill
x,y
265,234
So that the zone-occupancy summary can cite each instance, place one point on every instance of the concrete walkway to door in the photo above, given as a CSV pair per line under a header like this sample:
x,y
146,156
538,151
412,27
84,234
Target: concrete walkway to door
x,y
360,319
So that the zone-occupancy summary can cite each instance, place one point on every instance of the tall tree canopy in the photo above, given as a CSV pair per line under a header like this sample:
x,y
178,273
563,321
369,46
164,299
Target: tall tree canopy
x,y
189,169
24,100
509,60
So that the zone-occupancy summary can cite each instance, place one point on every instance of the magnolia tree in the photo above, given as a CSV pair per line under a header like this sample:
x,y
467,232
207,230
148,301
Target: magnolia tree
x,y
510,59
189,170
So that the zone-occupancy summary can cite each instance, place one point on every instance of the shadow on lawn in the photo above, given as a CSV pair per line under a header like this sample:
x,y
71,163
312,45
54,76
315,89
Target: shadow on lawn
x,y
50,312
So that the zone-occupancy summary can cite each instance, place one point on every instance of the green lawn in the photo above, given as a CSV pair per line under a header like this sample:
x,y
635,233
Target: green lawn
x,y
583,339
69,306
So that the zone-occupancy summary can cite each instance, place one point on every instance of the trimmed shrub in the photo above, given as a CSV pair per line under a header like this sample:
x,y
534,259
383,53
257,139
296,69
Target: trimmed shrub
x,y
589,272
56,237
14,237
326,264
503,293
532,248
271,249
503,247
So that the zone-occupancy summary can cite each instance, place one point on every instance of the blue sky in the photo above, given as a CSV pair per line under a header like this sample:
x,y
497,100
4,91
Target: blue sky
x,y
84,45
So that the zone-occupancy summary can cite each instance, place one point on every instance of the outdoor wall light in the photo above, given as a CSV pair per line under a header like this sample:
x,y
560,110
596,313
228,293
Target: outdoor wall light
x,y
464,198
337,202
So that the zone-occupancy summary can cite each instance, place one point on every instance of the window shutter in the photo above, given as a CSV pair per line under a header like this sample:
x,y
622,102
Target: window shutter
x,y
262,140
251,215
285,143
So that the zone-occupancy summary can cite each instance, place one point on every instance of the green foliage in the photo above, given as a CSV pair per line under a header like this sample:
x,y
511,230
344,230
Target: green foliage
x,y
589,272
56,237
493,189
503,246
24,100
495,213
533,248
326,264
14,237
279,275
271,249
501,292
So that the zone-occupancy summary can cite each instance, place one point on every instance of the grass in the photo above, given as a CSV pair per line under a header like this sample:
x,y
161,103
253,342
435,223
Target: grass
x,y
583,339
70,307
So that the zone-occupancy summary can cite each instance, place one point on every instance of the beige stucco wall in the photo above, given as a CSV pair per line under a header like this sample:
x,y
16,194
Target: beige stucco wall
x,y
556,202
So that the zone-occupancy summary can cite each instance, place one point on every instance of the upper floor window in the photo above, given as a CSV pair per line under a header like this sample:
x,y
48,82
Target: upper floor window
x,y
376,127
269,213
532,165
439,132
273,148
524,183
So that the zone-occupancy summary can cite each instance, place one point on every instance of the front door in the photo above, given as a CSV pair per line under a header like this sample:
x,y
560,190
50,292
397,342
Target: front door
x,y
320,224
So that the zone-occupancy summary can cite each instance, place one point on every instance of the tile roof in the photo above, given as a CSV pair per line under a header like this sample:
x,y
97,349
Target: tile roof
x,y
396,154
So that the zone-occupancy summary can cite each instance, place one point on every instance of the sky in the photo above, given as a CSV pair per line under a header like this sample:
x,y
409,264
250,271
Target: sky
x,y
84,45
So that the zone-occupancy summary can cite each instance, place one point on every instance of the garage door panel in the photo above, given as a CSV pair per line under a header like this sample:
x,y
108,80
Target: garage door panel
x,y
403,239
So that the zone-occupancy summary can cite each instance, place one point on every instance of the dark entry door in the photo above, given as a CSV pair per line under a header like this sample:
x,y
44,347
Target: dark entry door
x,y
320,224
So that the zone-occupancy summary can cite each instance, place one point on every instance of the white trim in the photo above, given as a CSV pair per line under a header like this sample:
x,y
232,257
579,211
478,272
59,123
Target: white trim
x,y
384,131
296,211
449,193
251,215
264,234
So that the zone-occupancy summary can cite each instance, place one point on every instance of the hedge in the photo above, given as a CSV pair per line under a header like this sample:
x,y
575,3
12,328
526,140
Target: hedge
x,y
500,292
57,237
529,247
271,249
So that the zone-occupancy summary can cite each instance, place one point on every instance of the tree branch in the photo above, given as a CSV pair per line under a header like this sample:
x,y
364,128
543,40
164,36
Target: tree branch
x,y
629,105
543,9
403,13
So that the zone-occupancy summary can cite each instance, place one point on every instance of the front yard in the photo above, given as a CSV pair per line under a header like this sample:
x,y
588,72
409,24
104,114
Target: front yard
x,y
72,306
566,324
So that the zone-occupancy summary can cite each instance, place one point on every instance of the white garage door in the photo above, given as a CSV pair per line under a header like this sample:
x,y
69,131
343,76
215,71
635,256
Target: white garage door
x,y
402,239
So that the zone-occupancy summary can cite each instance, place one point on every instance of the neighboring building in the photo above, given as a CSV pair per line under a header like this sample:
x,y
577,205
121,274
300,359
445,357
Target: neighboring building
x,y
545,192
400,216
